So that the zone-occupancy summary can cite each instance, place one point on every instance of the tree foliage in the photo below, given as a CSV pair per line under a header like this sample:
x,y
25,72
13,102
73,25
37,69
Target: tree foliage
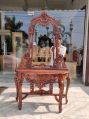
x,y
12,25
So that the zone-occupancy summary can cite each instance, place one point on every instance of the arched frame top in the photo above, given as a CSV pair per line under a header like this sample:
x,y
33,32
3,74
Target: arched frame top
x,y
44,20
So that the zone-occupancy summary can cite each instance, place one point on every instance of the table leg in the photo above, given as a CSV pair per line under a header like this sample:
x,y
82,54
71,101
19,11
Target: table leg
x,y
67,88
16,83
61,88
20,95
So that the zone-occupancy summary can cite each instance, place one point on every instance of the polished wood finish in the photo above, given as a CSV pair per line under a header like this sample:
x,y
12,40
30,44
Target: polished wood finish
x,y
40,78
41,75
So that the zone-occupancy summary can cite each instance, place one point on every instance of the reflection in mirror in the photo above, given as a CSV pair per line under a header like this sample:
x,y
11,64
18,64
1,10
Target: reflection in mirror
x,y
43,41
18,47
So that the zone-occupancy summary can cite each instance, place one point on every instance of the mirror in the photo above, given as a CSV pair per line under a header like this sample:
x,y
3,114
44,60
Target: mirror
x,y
43,34
43,41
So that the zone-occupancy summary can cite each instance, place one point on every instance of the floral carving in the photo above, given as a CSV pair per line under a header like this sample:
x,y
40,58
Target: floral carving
x,y
41,75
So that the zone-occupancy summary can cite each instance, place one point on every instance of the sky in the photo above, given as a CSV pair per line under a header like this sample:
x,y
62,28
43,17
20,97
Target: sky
x,y
64,16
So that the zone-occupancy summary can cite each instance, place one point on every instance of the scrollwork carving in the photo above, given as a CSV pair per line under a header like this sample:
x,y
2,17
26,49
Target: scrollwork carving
x,y
41,75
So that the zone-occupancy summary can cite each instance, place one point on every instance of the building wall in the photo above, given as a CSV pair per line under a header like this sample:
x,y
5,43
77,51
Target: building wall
x,y
76,4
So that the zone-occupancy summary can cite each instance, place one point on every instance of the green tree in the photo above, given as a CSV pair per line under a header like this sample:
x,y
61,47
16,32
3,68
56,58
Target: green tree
x,y
14,26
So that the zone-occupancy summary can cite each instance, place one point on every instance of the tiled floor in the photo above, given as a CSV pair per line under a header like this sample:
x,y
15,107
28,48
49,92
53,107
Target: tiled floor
x,y
45,107
38,107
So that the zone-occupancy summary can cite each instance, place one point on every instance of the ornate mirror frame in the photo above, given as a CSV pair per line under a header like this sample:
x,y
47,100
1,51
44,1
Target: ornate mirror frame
x,y
43,20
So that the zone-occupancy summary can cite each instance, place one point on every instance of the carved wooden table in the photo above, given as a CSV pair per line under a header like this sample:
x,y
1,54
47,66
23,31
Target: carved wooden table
x,y
41,77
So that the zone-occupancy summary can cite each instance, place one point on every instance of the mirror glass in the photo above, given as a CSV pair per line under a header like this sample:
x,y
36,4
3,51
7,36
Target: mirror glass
x,y
43,42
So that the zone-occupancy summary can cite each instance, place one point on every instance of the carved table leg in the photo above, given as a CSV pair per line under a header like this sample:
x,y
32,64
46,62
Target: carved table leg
x,y
16,83
61,88
20,95
67,88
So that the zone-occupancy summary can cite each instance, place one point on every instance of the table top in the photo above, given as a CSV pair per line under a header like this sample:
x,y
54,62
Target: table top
x,y
43,70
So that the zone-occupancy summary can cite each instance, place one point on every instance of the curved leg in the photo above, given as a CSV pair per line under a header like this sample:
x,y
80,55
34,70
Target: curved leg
x,y
61,88
16,84
20,95
67,88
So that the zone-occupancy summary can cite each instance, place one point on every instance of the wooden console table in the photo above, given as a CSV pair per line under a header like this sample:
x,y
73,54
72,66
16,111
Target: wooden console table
x,y
41,77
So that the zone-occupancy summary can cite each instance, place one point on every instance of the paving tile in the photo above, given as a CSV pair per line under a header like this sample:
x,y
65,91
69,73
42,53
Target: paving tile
x,y
38,107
